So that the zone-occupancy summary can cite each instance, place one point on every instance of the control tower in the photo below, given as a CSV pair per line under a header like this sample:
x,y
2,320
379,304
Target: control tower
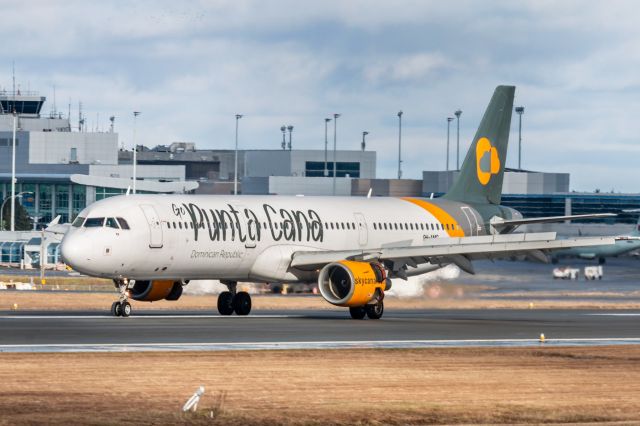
x,y
28,106
24,103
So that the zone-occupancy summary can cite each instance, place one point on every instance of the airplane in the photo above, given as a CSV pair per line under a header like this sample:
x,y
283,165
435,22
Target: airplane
x,y
353,247
623,244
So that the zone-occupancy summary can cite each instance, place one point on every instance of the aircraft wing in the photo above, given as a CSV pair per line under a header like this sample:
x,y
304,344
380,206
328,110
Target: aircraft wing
x,y
459,251
500,224
55,227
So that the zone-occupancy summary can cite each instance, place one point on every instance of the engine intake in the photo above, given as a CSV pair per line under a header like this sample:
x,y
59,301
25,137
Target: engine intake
x,y
150,291
351,283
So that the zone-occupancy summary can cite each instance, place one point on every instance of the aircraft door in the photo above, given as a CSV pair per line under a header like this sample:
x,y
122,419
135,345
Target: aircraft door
x,y
361,224
473,221
155,227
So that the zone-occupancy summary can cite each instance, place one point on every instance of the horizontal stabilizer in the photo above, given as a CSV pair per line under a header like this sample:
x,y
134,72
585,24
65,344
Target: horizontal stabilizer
x,y
499,224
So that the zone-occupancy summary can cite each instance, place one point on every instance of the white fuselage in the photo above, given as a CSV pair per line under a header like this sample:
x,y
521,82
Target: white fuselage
x,y
248,238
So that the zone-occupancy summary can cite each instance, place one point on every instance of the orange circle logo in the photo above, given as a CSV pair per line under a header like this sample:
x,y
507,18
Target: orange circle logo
x,y
487,160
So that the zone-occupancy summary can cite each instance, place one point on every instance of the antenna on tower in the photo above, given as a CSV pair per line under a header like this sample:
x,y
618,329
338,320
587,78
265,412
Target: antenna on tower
x,y
80,118
54,111
112,119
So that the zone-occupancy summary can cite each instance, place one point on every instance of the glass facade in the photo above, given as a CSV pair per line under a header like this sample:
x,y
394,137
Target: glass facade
x,y
102,193
343,169
78,200
62,202
45,202
11,251
554,205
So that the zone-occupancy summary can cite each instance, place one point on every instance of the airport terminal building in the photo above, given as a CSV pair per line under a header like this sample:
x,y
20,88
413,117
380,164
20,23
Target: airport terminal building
x,y
61,169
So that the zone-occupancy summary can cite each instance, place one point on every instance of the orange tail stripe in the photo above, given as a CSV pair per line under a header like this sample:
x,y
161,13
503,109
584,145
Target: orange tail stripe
x,y
441,216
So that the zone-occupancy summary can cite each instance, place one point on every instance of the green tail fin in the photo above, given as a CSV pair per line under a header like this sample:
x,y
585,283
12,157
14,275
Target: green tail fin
x,y
481,175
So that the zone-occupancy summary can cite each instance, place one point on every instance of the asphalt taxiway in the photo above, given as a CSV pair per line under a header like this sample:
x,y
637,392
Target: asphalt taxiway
x,y
160,330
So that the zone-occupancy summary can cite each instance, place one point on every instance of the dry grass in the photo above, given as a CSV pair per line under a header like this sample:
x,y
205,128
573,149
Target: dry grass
x,y
325,387
61,282
60,301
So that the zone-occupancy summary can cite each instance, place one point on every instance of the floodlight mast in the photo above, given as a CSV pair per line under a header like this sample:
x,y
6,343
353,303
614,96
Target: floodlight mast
x,y
520,111
235,167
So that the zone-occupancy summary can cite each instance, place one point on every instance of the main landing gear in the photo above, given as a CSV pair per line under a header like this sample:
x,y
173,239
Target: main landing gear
x,y
373,310
234,301
121,307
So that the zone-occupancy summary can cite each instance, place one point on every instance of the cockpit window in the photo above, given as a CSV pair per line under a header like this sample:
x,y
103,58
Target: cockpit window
x,y
94,222
111,223
123,223
78,222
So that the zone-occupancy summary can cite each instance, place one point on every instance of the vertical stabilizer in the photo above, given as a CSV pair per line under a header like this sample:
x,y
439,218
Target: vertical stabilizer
x,y
482,172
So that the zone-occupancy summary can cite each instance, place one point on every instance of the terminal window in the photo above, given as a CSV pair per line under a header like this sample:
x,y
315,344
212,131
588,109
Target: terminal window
x,y
8,141
343,169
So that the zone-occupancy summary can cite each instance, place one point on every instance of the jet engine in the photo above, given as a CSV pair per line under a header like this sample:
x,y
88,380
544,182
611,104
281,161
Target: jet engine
x,y
150,291
352,283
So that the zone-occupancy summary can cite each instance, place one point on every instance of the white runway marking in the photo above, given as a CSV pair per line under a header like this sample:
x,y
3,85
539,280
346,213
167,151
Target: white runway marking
x,y
364,344
617,314
141,316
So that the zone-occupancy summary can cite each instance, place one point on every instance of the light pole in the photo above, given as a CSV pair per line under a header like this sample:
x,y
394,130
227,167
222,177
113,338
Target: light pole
x,y
520,111
13,170
326,123
364,143
135,150
283,129
12,197
399,144
458,113
290,129
235,167
335,138
449,120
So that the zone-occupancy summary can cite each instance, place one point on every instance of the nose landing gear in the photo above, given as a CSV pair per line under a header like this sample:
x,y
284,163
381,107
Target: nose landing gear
x,y
121,307
234,301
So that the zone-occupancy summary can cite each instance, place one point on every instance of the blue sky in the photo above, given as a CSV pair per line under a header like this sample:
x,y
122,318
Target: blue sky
x,y
191,66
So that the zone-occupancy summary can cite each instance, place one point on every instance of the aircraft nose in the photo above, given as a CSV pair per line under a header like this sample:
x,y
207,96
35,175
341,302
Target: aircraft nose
x,y
73,251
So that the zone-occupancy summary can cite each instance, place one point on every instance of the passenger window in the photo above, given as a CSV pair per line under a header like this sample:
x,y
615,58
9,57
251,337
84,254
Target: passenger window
x,y
111,223
180,224
123,223
94,222
78,222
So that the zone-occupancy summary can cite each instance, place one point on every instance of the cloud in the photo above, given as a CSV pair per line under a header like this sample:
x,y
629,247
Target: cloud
x,y
191,66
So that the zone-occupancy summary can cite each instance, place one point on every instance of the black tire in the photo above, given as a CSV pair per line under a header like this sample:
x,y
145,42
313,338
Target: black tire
x,y
357,312
242,303
116,309
375,311
225,303
125,309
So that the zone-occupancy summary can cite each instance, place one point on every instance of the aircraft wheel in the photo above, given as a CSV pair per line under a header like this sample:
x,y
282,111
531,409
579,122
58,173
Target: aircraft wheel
x,y
242,303
357,312
375,311
225,303
125,308
116,309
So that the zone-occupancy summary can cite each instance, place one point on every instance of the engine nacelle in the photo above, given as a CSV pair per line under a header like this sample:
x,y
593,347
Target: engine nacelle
x,y
351,283
150,291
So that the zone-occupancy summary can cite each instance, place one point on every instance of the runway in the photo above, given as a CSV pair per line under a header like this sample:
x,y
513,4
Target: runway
x,y
149,330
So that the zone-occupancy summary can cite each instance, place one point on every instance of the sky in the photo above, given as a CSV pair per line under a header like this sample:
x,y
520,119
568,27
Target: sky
x,y
189,67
